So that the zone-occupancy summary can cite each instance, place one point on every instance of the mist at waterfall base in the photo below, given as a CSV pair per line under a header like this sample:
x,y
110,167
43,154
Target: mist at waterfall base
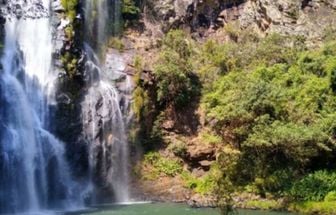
x,y
35,176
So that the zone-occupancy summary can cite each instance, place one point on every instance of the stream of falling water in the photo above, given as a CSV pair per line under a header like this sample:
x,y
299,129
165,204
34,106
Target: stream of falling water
x,y
103,118
34,174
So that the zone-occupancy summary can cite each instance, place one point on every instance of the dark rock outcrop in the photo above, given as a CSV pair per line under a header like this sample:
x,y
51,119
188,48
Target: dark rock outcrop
x,y
70,90
198,15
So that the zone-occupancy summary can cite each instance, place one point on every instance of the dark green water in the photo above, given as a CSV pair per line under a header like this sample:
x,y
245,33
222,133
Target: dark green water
x,y
170,209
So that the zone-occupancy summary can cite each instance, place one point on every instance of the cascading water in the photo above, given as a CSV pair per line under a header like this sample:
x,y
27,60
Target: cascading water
x,y
102,19
103,119
34,174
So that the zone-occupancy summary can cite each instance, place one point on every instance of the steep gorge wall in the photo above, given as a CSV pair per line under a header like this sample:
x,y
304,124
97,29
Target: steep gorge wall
x,y
202,20
309,18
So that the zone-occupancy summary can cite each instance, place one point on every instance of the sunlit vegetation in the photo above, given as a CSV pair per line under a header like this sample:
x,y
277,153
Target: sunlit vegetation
x,y
176,84
70,7
269,104
161,166
116,43
130,9
205,185
69,59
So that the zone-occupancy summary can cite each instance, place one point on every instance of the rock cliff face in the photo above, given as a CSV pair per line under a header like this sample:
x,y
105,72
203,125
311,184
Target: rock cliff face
x,y
71,88
197,13
309,18
22,9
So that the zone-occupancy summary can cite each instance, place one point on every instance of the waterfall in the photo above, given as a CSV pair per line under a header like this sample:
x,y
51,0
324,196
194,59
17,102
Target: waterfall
x,y
103,118
34,174
103,18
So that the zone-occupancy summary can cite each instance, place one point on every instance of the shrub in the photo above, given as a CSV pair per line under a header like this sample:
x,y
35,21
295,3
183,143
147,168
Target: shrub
x,y
140,102
70,7
280,117
202,185
176,82
177,40
130,10
210,138
179,148
326,208
331,196
315,186
264,204
232,29
116,43
169,167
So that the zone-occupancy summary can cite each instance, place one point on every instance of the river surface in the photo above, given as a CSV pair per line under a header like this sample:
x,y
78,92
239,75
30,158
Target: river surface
x,y
168,209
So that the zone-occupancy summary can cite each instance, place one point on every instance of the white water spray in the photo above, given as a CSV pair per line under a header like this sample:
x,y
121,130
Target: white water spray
x,y
34,174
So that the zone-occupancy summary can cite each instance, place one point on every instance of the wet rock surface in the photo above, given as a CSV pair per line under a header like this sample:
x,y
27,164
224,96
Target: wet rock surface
x,y
23,9
164,190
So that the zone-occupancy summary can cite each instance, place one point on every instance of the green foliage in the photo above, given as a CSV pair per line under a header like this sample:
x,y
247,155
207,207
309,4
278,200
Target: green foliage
x,y
269,105
116,43
227,161
277,183
173,71
177,41
169,167
130,10
279,49
70,7
69,62
215,60
274,102
140,95
207,137
315,187
204,185
68,59
281,116
331,196
325,208
329,34
140,102
179,148
264,204
232,29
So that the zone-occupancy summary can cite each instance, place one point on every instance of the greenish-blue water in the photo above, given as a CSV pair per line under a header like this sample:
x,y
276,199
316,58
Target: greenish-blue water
x,y
170,209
